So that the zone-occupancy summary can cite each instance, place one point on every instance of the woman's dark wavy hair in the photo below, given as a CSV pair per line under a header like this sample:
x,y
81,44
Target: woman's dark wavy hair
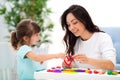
x,y
83,16
25,27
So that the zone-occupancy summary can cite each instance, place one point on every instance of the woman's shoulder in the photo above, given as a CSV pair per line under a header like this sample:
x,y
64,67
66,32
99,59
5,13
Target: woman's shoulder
x,y
102,34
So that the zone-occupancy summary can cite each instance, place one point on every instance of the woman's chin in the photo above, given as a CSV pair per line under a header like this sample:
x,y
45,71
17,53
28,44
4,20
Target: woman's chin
x,y
76,35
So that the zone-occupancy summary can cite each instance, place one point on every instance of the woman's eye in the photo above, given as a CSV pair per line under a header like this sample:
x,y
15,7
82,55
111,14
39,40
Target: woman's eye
x,y
75,22
68,25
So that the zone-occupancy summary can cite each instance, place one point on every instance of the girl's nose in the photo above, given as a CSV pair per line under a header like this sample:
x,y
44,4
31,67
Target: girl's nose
x,y
39,37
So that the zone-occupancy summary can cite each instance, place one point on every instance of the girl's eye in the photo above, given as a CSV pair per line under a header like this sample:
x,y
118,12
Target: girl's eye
x,y
37,34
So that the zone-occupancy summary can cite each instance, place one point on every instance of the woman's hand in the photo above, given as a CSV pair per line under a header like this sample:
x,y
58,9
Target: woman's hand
x,y
103,64
81,58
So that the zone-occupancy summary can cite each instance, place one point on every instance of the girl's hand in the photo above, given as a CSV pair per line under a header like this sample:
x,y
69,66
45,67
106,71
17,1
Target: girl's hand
x,y
61,55
41,62
81,58
64,65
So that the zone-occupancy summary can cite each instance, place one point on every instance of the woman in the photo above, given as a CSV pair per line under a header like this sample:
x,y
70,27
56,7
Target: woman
x,y
85,42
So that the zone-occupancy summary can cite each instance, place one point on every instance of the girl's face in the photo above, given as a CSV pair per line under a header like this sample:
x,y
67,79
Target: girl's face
x,y
75,26
34,39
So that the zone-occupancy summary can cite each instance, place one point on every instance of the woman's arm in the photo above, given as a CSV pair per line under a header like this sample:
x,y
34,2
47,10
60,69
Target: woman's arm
x,y
103,64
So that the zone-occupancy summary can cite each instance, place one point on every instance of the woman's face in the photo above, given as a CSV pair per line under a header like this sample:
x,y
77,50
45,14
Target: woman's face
x,y
74,25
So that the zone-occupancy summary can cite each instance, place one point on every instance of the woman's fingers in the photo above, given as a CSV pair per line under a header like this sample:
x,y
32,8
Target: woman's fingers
x,y
81,58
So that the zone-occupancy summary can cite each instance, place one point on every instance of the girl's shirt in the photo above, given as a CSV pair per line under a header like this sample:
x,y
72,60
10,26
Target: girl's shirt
x,y
99,46
25,66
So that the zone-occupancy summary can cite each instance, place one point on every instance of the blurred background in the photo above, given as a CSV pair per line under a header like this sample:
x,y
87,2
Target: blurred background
x,y
104,13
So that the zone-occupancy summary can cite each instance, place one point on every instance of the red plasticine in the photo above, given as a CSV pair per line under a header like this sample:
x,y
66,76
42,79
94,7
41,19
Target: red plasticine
x,y
68,61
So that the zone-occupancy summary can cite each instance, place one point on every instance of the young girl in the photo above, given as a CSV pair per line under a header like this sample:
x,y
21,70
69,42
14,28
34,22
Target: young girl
x,y
26,35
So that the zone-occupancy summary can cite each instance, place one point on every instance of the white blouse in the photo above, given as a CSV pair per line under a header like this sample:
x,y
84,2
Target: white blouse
x,y
99,46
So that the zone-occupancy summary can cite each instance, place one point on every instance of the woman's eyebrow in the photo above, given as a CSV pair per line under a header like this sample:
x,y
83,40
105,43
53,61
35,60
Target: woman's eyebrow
x,y
73,20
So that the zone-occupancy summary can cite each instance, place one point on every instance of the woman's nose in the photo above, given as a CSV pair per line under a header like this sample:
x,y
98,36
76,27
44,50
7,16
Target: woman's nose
x,y
71,28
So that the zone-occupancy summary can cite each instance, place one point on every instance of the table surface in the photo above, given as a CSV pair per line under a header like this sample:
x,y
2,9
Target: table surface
x,y
74,76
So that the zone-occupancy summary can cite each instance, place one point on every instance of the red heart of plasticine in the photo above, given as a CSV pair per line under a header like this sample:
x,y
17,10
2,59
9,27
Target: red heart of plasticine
x,y
68,61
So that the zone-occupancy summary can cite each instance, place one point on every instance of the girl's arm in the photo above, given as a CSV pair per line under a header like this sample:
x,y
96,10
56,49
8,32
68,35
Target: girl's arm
x,y
44,57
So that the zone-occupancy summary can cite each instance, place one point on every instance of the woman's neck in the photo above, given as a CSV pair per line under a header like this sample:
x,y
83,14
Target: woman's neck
x,y
87,35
